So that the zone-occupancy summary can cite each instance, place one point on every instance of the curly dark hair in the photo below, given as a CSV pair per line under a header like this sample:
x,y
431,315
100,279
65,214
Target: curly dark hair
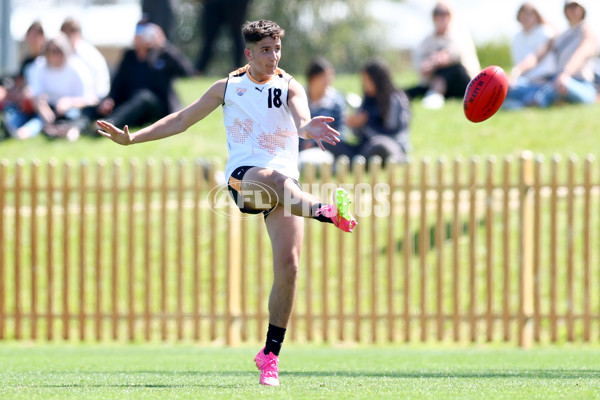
x,y
255,31
379,73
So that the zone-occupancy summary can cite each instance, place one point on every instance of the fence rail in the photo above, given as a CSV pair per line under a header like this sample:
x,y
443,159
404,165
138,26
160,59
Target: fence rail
x,y
475,250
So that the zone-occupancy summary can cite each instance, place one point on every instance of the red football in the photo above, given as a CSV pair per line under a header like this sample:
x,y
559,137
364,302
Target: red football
x,y
485,94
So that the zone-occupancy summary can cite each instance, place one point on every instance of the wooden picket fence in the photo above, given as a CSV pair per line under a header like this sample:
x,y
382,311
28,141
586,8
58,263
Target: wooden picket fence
x,y
460,251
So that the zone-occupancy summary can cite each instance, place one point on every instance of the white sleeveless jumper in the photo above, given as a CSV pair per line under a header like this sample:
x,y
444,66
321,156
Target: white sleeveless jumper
x,y
260,128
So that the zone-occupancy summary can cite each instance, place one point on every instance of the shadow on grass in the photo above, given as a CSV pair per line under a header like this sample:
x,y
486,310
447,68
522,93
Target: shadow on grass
x,y
536,374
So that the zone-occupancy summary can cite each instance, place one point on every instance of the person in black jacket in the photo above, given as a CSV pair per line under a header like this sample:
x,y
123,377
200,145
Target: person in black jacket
x,y
142,89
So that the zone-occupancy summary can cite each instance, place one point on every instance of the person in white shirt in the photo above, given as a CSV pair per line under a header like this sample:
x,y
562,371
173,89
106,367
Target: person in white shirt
x,y
90,55
265,110
574,52
61,85
534,34
446,60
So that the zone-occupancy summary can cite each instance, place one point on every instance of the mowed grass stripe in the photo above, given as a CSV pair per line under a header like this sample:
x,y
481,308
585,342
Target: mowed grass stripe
x,y
189,372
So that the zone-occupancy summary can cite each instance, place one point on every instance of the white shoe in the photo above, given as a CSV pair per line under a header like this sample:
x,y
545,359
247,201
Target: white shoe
x,y
433,101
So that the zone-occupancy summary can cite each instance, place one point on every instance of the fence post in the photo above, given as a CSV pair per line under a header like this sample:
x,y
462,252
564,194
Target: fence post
x,y
424,248
18,246
358,170
233,279
343,164
587,265
526,182
374,165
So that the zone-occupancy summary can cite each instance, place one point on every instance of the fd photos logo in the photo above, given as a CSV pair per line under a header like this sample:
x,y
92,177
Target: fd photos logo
x,y
254,197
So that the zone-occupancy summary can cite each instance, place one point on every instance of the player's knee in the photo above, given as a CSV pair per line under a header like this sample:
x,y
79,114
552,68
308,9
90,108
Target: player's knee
x,y
288,269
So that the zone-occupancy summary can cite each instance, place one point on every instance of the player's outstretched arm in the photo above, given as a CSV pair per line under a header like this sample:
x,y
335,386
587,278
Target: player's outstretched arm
x,y
170,125
315,128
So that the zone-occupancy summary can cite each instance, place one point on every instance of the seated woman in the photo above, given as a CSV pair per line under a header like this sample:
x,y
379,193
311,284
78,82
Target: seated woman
x,y
62,86
381,123
573,51
446,61
534,34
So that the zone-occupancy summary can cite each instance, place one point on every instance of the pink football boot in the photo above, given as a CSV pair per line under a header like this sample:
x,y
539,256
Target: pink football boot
x,y
339,211
268,364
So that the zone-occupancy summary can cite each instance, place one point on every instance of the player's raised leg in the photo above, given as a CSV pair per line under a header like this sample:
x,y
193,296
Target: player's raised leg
x,y
282,190
286,234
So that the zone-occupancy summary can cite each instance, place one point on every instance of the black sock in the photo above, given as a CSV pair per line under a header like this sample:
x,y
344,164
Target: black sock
x,y
275,337
320,218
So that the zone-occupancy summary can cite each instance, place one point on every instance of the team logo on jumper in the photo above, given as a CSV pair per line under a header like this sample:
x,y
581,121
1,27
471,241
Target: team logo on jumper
x,y
240,91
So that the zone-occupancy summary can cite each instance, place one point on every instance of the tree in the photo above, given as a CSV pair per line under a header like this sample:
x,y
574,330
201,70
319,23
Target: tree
x,y
341,31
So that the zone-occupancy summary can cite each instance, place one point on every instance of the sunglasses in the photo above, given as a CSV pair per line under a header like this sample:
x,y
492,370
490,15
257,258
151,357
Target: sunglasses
x,y
440,12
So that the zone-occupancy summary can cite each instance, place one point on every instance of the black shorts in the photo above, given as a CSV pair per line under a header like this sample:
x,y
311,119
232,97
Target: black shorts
x,y
234,186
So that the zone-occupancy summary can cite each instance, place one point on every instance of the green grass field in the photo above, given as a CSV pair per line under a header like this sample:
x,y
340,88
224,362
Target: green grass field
x,y
188,372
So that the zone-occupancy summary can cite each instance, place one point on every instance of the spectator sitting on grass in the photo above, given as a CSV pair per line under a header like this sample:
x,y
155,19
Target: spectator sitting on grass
x,y
90,55
446,60
573,51
142,89
381,123
325,100
534,34
19,119
62,86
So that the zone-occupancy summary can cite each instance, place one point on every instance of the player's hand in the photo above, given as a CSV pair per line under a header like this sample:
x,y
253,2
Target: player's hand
x,y
319,130
122,137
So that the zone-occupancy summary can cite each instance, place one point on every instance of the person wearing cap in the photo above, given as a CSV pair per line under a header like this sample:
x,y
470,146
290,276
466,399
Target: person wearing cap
x,y
573,51
142,89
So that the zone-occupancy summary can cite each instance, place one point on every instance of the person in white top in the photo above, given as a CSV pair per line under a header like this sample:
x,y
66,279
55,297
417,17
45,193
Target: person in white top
x,y
61,86
265,110
90,55
446,60
534,34
573,51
